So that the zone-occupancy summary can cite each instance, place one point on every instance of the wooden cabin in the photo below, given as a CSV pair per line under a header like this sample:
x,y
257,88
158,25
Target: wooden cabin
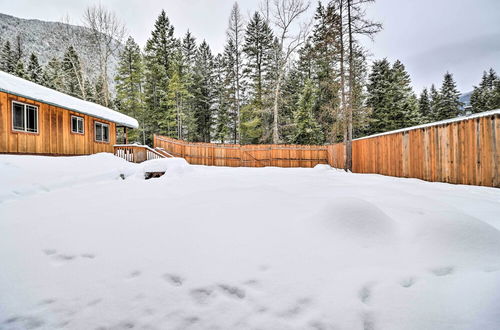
x,y
38,120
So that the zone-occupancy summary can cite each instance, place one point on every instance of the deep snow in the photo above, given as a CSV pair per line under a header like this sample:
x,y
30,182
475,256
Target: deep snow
x,y
241,248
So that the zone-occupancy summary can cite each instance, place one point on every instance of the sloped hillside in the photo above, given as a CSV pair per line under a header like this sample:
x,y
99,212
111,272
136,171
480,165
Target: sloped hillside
x,y
49,39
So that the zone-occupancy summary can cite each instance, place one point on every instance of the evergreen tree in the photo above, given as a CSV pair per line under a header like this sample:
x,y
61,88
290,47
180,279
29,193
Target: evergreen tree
x,y
178,94
393,103
307,130
53,75
159,52
424,106
73,74
378,100
449,104
203,93
189,49
404,102
20,71
325,54
34,72
129,84
487,95
7,59
222,125
259,51
433,101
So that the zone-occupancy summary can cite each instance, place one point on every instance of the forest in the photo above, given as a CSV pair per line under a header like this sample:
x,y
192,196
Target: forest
x,y
281,78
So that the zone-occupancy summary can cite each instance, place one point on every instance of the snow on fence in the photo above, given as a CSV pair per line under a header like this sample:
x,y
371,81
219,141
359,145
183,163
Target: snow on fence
x,y
464,150
236,155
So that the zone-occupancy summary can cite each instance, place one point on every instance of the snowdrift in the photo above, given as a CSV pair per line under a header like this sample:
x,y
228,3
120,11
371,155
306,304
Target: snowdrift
x,y
87,243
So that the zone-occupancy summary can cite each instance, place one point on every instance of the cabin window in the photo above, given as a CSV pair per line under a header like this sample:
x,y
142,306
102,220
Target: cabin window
x,y
101,132
24,117
77,124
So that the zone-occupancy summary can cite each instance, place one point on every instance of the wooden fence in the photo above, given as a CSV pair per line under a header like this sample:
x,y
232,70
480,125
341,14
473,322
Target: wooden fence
x,y
464,150
244,155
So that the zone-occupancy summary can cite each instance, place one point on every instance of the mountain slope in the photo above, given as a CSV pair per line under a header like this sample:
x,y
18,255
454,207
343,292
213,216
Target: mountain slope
x,y
50,39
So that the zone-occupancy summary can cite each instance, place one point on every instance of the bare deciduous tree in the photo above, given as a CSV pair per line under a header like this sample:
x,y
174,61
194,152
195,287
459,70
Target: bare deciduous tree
x,y
107,33
286,15
235,35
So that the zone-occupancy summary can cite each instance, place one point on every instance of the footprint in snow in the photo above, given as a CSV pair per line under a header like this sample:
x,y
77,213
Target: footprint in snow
x,y
443,271
365,294
173,279
202,296
134,274
87,255
232,291
408,282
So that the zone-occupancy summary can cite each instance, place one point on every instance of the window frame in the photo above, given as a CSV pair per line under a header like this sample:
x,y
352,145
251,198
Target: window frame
x,y
25,117
83,125
95,131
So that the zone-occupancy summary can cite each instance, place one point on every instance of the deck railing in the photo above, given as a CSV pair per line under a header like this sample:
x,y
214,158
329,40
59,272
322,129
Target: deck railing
x,y
137,153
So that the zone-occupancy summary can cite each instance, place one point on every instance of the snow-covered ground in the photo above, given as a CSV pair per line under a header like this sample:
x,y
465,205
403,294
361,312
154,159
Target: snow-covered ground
x,y
87,243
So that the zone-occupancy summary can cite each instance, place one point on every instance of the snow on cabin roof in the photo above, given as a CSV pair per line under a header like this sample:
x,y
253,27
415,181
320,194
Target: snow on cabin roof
x,y
30,90
436,123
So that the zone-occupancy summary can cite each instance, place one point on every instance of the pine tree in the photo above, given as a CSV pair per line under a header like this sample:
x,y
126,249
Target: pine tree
x,y
486,96
7,59
307,130
325,54
404,102
34,71
390,95
159,52
424,106
378,100
449,104
73,74
203,93
129,86
259,51
222,123
20,71
53,75
189,48
178,94
433,102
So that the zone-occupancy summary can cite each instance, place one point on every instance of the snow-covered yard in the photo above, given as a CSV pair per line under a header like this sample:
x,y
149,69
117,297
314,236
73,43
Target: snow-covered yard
x,y
241,248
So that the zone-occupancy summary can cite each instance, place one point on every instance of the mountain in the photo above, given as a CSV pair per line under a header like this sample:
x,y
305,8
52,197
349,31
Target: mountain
x,y
51,39
465,99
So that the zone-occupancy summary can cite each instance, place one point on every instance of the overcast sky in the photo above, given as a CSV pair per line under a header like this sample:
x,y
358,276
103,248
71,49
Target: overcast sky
x,y
428,36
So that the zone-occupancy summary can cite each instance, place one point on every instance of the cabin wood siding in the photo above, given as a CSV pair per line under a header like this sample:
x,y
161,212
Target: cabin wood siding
x,y
54,135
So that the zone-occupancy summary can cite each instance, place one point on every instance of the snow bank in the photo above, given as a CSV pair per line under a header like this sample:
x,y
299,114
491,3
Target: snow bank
x,y
21,175
243,248
168,165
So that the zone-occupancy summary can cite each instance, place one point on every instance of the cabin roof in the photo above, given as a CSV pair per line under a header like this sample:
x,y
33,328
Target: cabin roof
x,y
30,90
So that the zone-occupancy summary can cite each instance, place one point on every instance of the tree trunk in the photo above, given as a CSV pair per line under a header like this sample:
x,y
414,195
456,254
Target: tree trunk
x,y
348,165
